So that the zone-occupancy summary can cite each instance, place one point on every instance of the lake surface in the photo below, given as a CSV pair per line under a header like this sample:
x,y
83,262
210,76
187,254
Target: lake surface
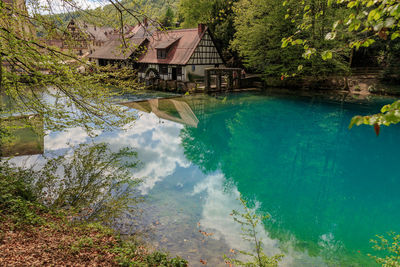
x,y
328,189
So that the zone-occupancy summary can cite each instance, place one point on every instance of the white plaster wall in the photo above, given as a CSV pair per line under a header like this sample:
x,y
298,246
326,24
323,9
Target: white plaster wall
x,y
199,70
183,79
165,77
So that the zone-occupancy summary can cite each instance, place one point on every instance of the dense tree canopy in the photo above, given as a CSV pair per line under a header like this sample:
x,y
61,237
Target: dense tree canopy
x,y
267,22
217,14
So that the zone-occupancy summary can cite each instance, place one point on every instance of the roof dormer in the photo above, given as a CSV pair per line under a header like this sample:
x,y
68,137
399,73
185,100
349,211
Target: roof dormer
x,y
163,47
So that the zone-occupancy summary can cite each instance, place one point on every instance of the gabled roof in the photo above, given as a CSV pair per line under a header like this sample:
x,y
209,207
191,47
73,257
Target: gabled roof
x,y
185,42
142,30
115,49
164,44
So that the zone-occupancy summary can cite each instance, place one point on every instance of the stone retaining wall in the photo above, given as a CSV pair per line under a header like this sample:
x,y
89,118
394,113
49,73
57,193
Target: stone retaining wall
x,y
172,86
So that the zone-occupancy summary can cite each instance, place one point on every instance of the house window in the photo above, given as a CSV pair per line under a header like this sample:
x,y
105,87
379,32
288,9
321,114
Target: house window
x,y
164,69
193,67
161,53
178,71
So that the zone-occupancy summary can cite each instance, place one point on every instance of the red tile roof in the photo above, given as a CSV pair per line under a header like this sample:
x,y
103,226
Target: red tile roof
x,y
179,53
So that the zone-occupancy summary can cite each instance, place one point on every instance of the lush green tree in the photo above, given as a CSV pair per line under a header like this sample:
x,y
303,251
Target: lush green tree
x,y
217,14
195,12
259,29
93,183
268,22
351,24
167,20
312,20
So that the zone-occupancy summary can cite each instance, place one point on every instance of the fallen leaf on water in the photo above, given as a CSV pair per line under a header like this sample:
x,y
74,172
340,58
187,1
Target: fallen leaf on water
x,y
205,233
228,263
377,128
203,262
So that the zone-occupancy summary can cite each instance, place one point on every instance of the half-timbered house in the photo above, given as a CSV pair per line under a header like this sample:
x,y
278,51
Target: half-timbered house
x,y
84,37
181,55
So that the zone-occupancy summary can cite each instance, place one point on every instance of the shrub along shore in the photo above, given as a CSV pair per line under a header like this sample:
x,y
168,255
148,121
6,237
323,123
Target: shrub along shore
x,y
34,235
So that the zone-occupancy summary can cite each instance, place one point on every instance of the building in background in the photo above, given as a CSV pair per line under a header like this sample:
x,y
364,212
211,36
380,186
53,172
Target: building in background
x,y
125,51
84,38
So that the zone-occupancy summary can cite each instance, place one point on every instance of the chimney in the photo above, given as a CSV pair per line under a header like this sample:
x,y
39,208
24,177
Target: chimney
x,y
201,28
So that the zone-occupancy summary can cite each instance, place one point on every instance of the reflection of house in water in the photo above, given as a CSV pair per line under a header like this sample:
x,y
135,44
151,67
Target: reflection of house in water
x,y
171,109
26,136
184,110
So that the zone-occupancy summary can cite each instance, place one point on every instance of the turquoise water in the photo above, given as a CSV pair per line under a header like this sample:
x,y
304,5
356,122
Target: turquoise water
x,y
328,189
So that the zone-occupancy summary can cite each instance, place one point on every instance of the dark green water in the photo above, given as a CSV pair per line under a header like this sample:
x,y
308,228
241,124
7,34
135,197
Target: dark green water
x,y
328,189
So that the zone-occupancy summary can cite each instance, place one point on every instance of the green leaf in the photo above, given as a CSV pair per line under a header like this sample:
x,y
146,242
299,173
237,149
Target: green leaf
x,y
326,55
298,41
371,14
285,42
367,42
377,16
355,121
395,35
352,4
